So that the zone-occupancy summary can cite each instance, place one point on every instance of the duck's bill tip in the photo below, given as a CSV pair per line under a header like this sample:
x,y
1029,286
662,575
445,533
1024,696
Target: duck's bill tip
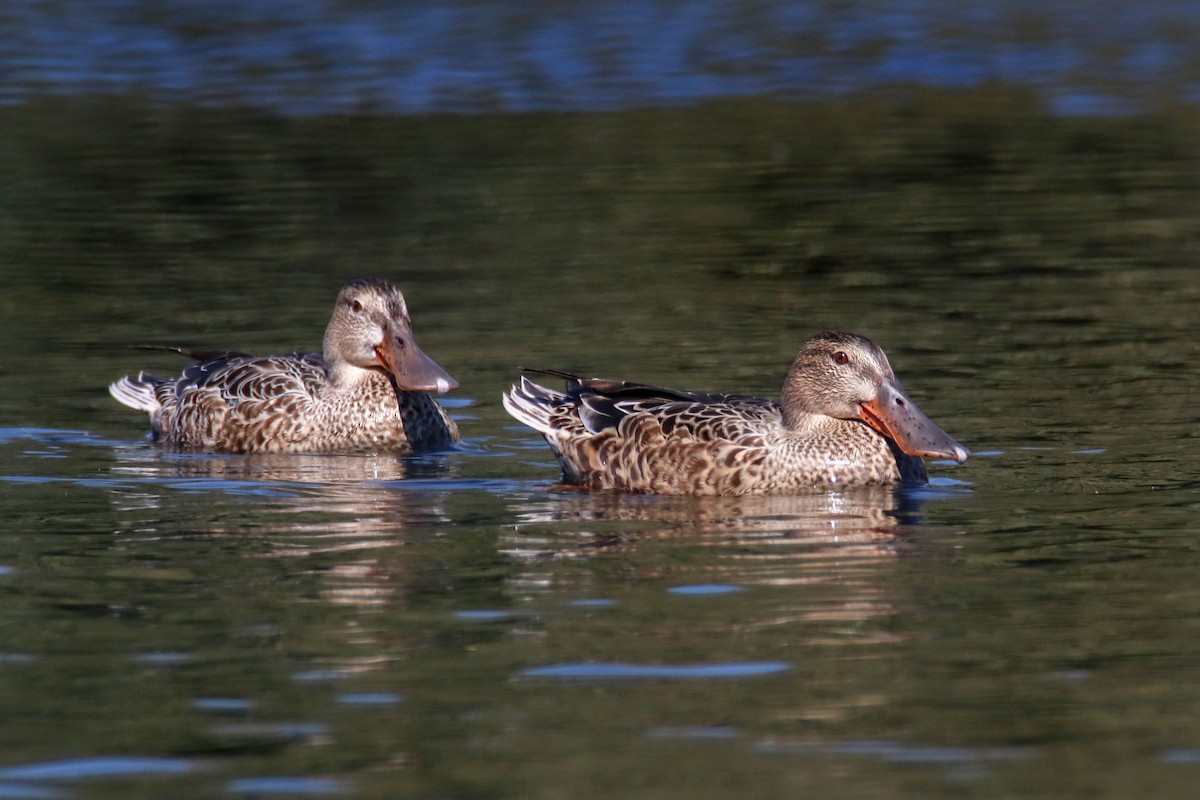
x,y
412,370
952,452
430,378
912,431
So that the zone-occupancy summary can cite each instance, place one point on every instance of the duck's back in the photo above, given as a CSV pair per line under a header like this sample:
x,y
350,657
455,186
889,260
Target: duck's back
x,y
240,403
714,445
639,438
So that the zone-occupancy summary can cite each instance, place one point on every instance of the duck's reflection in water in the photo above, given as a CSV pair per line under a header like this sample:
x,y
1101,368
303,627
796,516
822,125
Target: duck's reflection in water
x,y
345,517
324,476
835,549
868,516
352,532
302,504
301,468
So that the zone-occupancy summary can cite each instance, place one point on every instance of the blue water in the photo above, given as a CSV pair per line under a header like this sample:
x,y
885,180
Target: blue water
x,y
81,768
287,787
307,56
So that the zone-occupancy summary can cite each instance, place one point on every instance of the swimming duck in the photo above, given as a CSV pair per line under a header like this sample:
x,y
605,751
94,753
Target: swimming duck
x,y
365,392
842,419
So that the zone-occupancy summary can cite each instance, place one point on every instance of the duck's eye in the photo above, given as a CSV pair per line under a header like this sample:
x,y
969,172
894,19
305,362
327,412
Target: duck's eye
x,y
356,307
840,357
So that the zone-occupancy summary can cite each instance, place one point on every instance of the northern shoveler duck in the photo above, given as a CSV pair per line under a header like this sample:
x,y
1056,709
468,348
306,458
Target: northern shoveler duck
x,y
366,392
843,419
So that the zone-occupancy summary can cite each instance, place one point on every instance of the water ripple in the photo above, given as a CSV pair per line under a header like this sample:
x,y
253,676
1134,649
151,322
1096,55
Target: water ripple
x,y
485,615
693,732
594,602
369,698
26,791
223,705
288,786
705,589
895,753
620,671
100,767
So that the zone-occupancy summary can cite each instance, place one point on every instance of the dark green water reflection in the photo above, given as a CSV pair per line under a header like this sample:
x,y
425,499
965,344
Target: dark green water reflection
x,y
447,626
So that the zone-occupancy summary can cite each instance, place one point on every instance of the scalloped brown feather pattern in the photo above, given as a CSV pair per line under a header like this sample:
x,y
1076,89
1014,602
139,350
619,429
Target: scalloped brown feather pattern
x,y
284,403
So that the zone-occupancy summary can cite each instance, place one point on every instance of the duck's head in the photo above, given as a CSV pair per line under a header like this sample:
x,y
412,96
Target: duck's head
x,y
370,329
847,376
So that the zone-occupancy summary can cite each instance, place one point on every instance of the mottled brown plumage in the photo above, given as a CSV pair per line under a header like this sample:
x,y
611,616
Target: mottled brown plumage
x,y
843,419
366,392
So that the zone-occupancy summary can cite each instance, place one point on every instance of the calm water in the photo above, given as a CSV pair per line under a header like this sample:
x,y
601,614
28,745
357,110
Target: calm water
x,y
450,625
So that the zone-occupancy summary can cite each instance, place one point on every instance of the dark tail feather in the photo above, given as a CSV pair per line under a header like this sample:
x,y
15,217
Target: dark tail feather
x,y
621,390
197,354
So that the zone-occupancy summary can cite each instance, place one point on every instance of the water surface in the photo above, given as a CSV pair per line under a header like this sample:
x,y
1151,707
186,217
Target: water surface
x,y
451,625
318,56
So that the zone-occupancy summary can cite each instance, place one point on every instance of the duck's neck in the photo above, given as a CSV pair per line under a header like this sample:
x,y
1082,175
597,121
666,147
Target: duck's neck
x,y
797,416
345,377
805,424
